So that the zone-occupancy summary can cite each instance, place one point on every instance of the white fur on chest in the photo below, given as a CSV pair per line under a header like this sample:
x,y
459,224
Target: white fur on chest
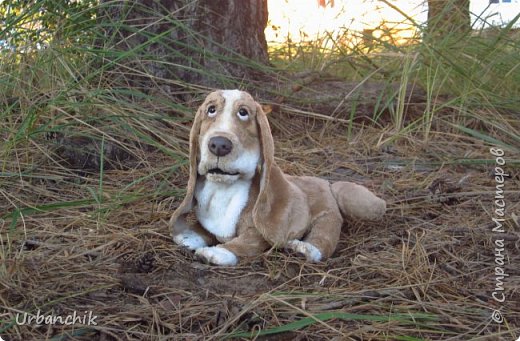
x,y
219,206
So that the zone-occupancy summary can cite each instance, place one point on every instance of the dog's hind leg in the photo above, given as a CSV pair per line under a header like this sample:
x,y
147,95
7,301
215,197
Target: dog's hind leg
x,y
321,241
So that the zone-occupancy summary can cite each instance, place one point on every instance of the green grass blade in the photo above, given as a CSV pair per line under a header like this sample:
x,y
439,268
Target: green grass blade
x,y
307,321
47,208
484,137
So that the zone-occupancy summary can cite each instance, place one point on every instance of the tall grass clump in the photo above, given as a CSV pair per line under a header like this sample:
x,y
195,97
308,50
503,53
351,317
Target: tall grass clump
x,y
78,132
473,75
75,95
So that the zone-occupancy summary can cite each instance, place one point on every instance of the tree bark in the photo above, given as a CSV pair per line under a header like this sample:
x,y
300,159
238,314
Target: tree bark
x,y
446,17
206,42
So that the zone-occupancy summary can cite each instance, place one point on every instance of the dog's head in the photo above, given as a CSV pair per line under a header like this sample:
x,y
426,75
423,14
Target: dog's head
x,y
225,137
230,139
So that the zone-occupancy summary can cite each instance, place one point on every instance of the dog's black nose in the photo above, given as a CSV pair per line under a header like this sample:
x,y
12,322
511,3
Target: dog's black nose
x,y
220,146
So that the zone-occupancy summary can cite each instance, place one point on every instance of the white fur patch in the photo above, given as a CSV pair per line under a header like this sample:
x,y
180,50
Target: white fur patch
x,y
217,255
226,120
247,162
219,205
189,239
231,96
310,251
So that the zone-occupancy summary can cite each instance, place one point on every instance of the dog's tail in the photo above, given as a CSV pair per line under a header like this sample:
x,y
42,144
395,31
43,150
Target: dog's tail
x,y
356,201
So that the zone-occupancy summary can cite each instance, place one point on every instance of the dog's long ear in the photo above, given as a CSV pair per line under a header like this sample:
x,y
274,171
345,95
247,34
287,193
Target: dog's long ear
x,y
271,207
266,145
187,203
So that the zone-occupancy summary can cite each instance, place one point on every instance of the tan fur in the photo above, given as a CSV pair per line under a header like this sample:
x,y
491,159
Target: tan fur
x,y
280,207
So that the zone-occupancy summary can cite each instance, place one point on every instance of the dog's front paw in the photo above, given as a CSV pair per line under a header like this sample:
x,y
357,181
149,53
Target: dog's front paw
x,y
311,252
189,239
217,255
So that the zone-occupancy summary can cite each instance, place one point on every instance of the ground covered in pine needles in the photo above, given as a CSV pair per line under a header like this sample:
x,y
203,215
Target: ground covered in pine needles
x,y
79,243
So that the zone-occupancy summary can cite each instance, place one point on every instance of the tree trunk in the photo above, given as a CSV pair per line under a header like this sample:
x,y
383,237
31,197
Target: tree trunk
x,y
447,17
205,42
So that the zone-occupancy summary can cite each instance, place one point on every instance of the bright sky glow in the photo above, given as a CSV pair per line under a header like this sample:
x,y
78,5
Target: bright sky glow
x,y
305,20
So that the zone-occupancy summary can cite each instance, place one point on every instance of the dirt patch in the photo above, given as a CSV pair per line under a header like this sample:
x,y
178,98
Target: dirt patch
x,y
197,277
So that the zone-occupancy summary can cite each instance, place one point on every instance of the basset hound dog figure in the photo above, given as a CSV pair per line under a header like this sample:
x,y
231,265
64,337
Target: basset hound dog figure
x,y
241,203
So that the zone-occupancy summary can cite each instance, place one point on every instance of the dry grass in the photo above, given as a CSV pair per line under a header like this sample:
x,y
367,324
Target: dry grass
x,y
425,272
95,239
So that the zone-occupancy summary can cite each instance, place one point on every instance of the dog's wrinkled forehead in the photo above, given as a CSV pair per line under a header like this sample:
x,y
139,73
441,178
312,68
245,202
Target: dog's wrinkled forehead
x,y
228,99
229,111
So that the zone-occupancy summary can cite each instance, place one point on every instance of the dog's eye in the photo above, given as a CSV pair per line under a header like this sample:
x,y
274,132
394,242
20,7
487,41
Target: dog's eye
x,y
243,114
212,111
